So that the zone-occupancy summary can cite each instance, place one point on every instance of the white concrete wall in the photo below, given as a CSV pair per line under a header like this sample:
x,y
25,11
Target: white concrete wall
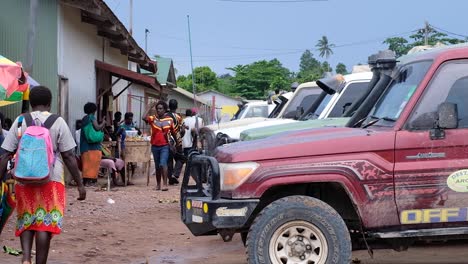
x,y
219,101
183,101
138,94
79,47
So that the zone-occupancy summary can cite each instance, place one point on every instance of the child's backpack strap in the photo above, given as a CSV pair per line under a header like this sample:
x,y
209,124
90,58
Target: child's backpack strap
x,y
28,118
50,121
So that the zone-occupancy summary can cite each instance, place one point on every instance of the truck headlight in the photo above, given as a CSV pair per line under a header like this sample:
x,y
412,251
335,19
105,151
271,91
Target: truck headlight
x,y
234,174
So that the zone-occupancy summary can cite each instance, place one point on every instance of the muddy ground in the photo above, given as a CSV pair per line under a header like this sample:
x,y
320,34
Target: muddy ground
x,y
143,226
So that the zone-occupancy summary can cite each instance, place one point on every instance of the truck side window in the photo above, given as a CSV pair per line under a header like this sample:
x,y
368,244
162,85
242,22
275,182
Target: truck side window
x,y
450,84
303,97
351,94
258,111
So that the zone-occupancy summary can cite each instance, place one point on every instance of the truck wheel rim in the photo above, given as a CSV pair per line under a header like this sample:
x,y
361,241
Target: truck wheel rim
x,y
298,242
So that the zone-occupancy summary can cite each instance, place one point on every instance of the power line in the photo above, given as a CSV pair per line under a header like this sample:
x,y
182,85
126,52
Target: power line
x,y
373,40
213,58
448,32
242,58
227,46
286,51
272,1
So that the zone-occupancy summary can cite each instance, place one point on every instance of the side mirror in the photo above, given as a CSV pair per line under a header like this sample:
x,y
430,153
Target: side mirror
x,y
448,115
425,121
299,112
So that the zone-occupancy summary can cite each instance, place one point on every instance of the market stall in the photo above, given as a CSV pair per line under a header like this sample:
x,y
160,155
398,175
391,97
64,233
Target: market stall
x,y
137,149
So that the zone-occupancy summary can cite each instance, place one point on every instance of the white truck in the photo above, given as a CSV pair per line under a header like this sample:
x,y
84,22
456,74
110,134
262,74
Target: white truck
x,y
328,104
254,109
304,96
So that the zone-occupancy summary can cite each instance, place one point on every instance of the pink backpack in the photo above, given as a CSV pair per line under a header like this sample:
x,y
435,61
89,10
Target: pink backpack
x,y
35,157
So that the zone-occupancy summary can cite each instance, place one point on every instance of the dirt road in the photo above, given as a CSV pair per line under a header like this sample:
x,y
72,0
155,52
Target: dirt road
x,y
143,226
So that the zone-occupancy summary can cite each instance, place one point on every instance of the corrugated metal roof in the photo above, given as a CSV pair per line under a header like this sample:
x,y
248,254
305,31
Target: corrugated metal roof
x,y
165,74
188,94
221,94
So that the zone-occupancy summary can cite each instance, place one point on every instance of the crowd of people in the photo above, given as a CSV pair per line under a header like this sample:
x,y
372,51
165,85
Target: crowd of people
x,y
172,139
40,207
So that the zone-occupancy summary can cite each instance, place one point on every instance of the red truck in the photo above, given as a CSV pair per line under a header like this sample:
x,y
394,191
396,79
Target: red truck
x,y
395,175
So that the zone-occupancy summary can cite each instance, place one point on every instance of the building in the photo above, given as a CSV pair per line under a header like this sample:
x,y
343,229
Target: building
x,y
83,53
226,106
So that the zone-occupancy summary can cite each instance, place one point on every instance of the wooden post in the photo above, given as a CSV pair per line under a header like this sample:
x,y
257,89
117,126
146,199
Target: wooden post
x,y
213,108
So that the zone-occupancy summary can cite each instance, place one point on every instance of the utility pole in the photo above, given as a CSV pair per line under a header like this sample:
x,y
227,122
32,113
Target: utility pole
x,y
146,40
191,63
426,33
130,30
193,76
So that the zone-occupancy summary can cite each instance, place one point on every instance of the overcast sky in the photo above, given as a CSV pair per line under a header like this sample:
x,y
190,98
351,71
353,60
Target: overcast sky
x,y
226,33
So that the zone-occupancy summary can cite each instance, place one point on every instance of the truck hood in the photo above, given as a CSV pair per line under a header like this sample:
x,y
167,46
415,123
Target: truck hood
x,y
234,123
263,132
234,132
311,142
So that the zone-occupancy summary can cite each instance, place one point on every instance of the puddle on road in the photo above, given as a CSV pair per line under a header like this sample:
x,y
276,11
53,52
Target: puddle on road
x,y
206,251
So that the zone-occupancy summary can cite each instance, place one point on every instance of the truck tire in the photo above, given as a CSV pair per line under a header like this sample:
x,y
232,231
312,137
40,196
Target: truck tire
x,y
298,229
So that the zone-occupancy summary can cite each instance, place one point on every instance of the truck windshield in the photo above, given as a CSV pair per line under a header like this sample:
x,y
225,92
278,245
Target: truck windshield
x,y
280,103
398,93
320,108
302,98
253,111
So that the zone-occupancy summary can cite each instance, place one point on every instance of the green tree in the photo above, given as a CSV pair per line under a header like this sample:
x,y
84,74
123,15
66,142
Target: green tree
x,y
326,67
401,46
205,79
325,47
341,69
226,84
308,62
279,82
252,81
433,37
184,82
310,68
398,44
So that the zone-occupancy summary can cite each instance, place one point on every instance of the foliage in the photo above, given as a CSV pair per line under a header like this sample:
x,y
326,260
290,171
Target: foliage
x,y
310,69
326,67
401,46
308,62
252,81
341,69
279,82
325,47
226,85
205,79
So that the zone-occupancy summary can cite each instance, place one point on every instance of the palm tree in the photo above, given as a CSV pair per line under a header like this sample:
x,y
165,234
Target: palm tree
x,y
324,47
